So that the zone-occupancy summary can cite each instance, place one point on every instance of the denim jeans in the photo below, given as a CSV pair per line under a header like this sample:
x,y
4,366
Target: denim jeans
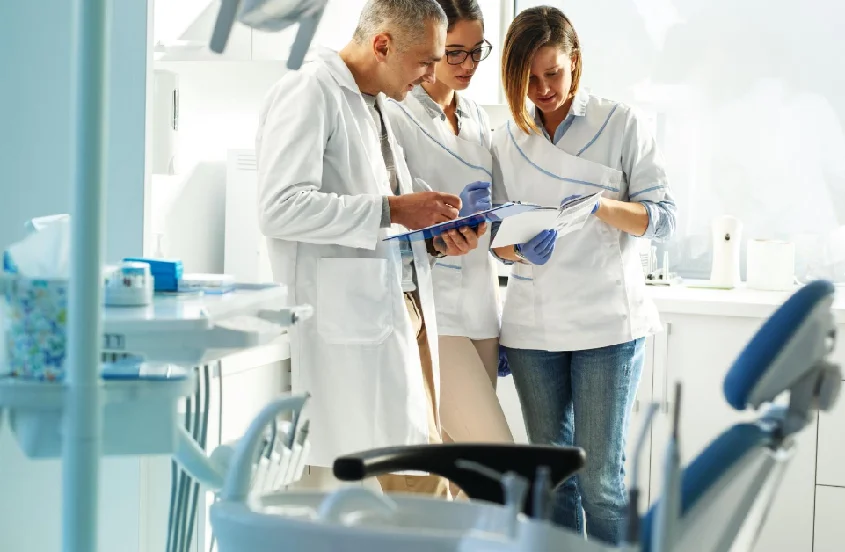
x,y
583,399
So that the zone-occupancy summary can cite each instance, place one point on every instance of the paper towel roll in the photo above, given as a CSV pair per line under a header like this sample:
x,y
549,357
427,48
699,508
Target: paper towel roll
x,y
771,265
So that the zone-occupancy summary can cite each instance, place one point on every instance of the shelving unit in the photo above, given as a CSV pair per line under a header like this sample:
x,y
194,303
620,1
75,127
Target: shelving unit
x,y
140,416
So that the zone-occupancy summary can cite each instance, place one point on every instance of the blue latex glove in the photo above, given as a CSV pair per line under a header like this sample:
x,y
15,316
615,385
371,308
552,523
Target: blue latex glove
x,y
574,197
539,249
476,197
504,367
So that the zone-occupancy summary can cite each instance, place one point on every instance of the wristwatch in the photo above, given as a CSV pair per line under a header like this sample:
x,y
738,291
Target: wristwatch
x,y
518,253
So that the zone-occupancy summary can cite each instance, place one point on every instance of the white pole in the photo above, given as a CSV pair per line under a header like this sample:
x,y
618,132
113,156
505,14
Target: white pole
x,y
507,11
82,409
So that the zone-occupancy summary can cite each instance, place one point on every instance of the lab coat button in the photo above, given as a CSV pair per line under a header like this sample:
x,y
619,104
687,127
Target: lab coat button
x,y
618,282
624,317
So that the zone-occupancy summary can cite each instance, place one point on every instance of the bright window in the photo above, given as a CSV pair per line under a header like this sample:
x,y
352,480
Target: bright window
x,y
748,104
486,83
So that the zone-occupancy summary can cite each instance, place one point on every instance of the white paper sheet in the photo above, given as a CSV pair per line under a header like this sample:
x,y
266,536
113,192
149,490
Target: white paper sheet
x,y
524,226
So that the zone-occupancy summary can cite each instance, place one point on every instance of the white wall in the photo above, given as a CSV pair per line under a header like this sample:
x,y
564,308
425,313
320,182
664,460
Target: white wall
x,y
219,104
36,157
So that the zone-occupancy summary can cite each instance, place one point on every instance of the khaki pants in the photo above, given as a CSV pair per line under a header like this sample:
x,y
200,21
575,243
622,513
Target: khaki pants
x,y
427,484
469,407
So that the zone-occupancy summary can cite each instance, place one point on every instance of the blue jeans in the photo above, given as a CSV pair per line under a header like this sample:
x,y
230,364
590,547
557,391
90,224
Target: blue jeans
x,y
583,399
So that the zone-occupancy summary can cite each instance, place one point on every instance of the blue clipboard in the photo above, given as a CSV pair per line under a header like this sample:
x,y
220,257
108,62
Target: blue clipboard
x,y
496,214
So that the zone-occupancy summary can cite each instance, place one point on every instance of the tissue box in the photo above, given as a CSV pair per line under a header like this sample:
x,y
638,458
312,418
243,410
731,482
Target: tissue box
x,y
33,314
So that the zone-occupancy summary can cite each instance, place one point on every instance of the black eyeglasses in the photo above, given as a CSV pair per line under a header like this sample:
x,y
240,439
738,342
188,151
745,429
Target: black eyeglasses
x,y
457,57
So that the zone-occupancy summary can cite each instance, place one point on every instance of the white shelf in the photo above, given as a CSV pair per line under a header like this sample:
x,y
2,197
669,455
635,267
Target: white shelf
x,y
197,329
139,417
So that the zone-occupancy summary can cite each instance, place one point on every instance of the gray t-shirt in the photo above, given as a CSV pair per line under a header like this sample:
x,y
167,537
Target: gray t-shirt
x,y
408,272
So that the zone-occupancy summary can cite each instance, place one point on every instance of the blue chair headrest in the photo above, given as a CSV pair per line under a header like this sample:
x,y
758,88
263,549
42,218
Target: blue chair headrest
x,y
775,334
708,467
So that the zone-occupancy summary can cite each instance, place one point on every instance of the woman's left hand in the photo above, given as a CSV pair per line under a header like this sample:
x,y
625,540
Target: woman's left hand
x,y
459,241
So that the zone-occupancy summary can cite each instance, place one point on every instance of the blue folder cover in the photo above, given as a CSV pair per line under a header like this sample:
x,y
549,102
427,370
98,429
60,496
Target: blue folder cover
x,y
496,214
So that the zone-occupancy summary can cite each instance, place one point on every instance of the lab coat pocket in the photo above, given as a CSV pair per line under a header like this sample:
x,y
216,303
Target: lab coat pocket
x,y
354,302
447,276
519,298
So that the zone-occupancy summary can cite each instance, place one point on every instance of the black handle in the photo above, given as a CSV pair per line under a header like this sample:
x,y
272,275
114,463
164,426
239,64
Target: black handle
x,y
442,460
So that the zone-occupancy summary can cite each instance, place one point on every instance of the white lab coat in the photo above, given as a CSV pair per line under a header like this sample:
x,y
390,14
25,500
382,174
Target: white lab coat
x,y
591,293
321,180
466,288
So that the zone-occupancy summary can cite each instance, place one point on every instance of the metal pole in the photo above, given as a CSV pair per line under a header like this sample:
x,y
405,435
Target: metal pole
x,y
82,409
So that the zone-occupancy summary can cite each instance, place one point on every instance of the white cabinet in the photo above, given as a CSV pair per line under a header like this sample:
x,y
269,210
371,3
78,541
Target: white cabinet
x,y
335,30
182,30
696,351
830,520
831,449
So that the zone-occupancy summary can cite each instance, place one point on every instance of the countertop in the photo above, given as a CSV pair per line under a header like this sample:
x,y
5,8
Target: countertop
x,y
741,301
688,299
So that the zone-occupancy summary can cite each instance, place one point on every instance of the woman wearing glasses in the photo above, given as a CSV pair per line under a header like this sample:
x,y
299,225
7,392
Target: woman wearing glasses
x,y
446,139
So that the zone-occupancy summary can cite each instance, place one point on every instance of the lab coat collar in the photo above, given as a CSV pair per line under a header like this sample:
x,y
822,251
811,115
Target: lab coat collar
x,y
434,109
577,109
337,68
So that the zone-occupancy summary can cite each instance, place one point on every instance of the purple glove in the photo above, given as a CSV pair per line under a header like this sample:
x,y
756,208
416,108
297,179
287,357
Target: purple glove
x,y
574,197
538,249
475,197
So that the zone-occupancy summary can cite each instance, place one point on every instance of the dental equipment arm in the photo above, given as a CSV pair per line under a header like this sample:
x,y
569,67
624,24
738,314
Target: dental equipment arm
x,y
669,508
228,469
633,537
270,16
446,461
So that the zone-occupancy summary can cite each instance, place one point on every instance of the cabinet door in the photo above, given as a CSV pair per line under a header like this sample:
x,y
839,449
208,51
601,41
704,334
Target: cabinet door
x,y
335,31
638,418
829,529
699,352
182,30
831,446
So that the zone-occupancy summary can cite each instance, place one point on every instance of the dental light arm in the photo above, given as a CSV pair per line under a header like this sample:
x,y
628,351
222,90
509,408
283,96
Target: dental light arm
x,y
270,16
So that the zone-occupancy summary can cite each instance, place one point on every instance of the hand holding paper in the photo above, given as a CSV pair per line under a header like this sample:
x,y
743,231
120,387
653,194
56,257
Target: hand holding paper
x,y
569,217
538,250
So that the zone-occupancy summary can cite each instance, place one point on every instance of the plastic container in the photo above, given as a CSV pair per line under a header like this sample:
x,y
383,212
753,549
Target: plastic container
x,y
129,285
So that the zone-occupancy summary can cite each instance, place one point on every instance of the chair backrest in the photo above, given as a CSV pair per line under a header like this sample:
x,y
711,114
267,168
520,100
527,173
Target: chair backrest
x,y
788,346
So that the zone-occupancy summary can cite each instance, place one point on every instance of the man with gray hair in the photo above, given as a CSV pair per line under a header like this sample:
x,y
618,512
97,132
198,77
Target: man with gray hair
x,y
332,182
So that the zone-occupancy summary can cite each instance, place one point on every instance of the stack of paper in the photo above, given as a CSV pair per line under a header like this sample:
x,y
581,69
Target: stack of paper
x,y
566,219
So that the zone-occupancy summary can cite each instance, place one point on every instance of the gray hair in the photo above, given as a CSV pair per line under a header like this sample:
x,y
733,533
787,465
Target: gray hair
x,y
406,19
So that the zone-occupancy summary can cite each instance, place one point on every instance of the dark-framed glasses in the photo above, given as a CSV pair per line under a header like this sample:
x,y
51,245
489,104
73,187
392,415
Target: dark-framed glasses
x,y
457,57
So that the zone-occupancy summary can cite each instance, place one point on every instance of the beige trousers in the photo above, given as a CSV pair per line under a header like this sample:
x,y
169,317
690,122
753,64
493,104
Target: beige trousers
x,y
427,484
469,407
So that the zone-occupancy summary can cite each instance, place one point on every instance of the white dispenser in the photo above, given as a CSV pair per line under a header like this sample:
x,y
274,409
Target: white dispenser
x,y
727,240
165,122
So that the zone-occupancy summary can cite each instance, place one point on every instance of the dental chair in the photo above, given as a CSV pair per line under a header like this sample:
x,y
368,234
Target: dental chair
x,y
726,491
715,504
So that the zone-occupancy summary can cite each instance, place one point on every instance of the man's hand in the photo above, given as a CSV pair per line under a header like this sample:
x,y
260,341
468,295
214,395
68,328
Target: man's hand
x,y
459,241
423,209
